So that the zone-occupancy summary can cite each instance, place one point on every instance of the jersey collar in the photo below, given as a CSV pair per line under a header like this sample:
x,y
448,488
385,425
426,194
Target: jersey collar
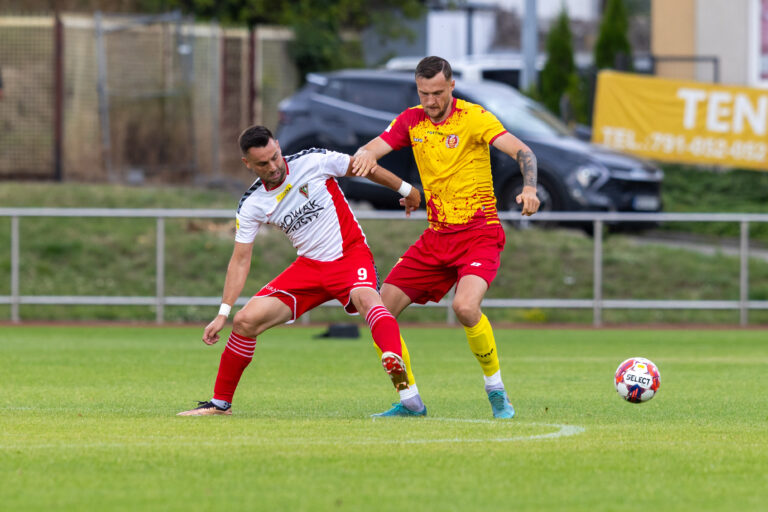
x,y
453,109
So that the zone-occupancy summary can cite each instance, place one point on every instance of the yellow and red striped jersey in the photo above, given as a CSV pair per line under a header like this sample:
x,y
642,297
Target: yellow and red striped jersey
x,y
454,162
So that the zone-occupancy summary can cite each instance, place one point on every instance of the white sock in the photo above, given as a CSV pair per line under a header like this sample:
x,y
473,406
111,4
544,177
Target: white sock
x,y
411,399
493,382
411,392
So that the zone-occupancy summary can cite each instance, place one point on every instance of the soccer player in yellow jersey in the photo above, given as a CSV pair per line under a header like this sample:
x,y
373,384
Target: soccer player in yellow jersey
x,y
450,139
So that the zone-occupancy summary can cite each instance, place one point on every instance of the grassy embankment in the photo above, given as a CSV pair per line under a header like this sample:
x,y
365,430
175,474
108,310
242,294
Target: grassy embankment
x,y
78,256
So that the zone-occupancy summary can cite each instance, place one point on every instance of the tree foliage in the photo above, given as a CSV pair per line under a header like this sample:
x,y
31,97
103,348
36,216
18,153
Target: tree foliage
x,y
560,70
612,40
318,24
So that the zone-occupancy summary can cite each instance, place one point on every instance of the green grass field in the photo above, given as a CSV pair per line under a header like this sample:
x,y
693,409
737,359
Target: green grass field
x,y
89,423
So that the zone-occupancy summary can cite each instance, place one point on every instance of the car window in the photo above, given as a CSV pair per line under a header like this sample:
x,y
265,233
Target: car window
x,y
507,76
519,115
392,97
334,89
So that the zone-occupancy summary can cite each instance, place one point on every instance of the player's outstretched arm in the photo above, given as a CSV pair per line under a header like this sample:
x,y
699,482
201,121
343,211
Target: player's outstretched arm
x,y
518,150
366,157
237,273
411,195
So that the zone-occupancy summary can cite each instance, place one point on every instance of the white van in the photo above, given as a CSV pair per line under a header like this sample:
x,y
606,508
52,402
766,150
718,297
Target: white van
x,y
505,68
501,67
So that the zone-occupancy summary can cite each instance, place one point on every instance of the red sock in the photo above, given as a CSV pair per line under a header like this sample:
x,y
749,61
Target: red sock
x,y
385,331
235,358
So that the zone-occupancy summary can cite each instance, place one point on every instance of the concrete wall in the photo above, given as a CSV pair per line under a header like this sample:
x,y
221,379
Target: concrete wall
x,y
727,29
673,32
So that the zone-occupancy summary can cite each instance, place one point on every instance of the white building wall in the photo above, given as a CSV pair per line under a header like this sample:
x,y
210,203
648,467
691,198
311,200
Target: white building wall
x,y
723,29
447,33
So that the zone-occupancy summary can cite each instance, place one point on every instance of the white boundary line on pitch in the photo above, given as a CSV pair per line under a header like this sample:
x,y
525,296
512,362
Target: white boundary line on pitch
x,y
562,431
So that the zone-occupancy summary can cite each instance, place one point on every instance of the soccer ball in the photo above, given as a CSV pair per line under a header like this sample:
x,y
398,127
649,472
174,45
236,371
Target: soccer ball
x,y
637,380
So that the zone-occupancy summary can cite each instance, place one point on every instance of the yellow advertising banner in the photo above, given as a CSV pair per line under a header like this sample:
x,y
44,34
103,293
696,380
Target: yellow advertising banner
x,y
682,121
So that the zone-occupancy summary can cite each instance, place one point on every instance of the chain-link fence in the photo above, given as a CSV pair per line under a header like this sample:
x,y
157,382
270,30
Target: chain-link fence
x,y
134,98
26,106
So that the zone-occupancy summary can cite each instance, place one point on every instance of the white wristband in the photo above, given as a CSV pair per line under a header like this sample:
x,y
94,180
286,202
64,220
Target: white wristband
x,y
224,309
405,189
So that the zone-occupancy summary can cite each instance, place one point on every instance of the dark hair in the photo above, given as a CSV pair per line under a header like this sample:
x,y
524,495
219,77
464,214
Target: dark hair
x,y
430,66
256,136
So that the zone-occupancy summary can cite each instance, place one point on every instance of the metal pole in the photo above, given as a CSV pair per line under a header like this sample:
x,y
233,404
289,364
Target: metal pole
x,y
470,14
215,56
744,275
101,86
160,271
251,76
58,96
597,282
15,269
530,45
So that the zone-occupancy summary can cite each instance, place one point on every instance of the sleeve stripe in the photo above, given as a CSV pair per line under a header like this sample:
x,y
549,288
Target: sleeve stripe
x,y
304,152
254,187
497,136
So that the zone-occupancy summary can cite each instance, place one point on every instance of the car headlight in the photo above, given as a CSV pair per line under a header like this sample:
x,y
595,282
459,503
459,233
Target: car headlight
x,y
588,175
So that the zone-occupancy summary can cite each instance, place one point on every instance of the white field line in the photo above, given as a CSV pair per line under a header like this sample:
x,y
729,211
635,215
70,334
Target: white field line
x,y
562,431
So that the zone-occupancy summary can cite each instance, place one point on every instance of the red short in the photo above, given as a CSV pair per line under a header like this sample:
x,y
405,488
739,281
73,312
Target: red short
x,y
307,283
432,265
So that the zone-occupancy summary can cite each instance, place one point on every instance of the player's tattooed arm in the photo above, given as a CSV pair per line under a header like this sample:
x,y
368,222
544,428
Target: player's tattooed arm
x,y
528,168
526,160
518,150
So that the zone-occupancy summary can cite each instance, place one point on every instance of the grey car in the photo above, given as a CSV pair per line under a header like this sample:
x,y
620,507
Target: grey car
x,y
343,110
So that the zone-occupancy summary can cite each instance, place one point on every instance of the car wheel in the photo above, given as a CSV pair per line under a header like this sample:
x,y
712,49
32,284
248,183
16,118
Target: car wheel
x,y
548,197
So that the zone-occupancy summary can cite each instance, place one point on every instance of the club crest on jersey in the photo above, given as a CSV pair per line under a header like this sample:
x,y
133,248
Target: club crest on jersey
x,y
451,141
304,190
282,194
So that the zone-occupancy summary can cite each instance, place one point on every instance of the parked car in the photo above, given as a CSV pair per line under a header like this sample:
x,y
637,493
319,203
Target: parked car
x,y
343,110
506,68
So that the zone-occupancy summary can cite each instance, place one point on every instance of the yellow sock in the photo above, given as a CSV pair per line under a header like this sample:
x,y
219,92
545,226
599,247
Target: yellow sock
x,y
483,345
406,360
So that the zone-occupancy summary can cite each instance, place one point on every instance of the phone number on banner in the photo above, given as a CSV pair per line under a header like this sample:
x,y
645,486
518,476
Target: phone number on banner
x,y
675,144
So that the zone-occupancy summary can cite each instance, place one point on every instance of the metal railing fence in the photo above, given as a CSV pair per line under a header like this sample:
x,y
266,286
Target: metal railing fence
x,y
597,303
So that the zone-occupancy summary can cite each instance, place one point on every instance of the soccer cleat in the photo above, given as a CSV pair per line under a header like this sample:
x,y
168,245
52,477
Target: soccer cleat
x,y
399,409
500,404
393,364
206,409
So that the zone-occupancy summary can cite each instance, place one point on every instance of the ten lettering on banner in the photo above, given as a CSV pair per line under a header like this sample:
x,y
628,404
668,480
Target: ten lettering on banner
x,y
682,121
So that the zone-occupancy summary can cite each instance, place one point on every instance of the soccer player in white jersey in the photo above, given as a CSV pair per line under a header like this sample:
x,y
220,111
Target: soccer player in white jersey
x,y
300,195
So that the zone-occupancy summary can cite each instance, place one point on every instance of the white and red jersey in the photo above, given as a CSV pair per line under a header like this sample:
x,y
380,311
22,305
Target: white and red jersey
x,y
308,206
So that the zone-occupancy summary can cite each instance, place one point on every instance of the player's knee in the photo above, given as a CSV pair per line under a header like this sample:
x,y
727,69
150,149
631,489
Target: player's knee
x,y
467,313
245,324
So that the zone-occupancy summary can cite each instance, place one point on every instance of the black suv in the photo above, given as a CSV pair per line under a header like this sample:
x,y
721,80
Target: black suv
x,y
345,109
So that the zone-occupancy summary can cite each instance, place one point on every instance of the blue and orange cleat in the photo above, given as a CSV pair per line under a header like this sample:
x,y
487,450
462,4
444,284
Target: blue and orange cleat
x,y
500,404
399,409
